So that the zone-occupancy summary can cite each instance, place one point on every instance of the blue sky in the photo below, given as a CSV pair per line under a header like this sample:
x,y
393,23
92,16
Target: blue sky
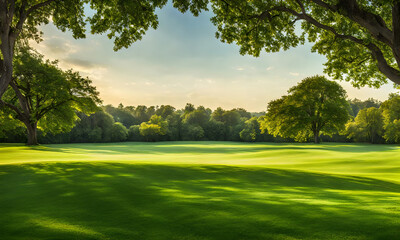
x,y
183,62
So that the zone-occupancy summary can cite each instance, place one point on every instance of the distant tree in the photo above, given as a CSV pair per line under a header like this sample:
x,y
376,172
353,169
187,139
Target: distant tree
x,y
316,105
199,117
174,127
165,110
94,128
134,133
150,111
251,131
43,96
391,118
215,130
243,113
121,115
194,121
192,132
119,133
154,128
142,113
188,109
356,105
233,124
367,126
218,114
150,132
231,118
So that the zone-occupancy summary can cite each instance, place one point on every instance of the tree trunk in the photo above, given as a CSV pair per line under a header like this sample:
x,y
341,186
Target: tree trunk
x,y
32,133
316,137
6,70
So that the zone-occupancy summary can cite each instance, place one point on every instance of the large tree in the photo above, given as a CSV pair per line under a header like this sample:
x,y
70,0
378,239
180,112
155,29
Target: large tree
x,y
316,105
125,21
42,95
360,39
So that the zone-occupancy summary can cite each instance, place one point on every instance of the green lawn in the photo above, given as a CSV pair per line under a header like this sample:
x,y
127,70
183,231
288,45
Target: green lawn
x,y
199,190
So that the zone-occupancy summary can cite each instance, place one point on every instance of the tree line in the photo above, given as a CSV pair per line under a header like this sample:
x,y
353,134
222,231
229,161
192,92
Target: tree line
x,y
316,109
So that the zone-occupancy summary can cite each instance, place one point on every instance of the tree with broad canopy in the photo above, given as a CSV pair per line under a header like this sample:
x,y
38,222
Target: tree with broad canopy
x,y
316,105
41,95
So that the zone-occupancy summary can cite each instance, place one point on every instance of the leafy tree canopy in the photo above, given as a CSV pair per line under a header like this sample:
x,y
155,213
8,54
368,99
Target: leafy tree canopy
x,y
154,128
367,126
44,96
357,105
316,105
391,117
360,39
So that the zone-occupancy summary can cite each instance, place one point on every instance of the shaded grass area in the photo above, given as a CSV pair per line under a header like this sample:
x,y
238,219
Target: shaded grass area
x,y
121,199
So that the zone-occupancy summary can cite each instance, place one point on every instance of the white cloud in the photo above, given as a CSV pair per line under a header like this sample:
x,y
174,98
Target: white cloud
x,y
270,68
239,68
294,74
205,80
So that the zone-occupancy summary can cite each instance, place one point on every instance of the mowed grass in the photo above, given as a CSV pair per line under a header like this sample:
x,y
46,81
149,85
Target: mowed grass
x,y
200,190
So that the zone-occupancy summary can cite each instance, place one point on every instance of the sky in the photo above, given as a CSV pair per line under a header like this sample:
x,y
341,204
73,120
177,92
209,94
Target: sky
x,y
182,62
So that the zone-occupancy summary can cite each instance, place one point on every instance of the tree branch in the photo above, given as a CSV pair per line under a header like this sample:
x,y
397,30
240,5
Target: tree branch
x,y
25,13
390,72
52,106
325,5
10,13
12,107
21,98
396,31
370,21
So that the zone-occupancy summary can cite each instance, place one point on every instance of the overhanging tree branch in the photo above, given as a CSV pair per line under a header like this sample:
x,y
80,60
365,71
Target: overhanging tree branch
x,y
25,13
390,72
375,24
396,31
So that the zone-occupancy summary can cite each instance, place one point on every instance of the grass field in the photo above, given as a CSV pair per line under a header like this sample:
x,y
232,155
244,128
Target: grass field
x,y
199,191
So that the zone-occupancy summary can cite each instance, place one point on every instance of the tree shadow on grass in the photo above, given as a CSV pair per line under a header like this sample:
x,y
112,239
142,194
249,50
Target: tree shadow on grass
x,y
122,201
208,148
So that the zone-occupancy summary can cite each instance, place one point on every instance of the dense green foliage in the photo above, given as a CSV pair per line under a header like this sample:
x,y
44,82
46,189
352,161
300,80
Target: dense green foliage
x,y
199,190
367,126
360,39
313,107
143,123
43,96
356,105
377,125
391,115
